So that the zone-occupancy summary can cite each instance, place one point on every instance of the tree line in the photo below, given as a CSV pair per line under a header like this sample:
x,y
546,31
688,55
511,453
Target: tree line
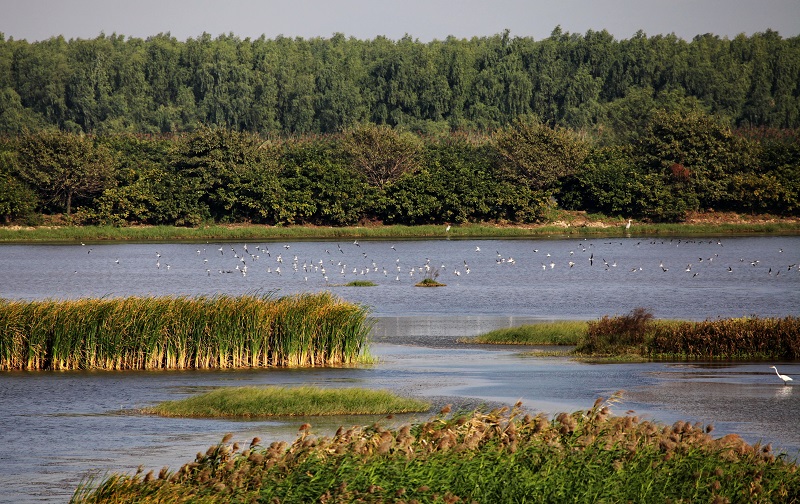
x,y
658,166
296,86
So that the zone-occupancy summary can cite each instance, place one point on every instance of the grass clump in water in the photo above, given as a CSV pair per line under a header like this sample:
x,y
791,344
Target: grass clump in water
x,y
360,283
500,456
543,333
429,282
255,402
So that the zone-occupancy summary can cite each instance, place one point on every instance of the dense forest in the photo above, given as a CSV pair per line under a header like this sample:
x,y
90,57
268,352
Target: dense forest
x,y
339,131
320,85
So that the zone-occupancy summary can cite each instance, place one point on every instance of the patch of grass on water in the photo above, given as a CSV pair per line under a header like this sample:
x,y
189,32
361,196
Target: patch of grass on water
x,y
500,456
256,402
360,283
566,332
429,282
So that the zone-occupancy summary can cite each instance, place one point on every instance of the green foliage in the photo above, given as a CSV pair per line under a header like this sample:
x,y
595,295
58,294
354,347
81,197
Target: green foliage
x,y
381,153
63,167
360,283
227,175
590,82
257,402
17,200
537,155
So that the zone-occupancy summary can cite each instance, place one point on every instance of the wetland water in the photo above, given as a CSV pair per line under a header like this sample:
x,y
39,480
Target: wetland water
x,y
60,427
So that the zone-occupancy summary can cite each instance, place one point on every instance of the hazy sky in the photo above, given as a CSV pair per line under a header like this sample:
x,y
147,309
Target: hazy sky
x,y
365,19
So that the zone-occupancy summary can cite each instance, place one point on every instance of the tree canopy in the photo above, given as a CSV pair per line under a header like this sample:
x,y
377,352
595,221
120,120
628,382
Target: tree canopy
x,y
324,85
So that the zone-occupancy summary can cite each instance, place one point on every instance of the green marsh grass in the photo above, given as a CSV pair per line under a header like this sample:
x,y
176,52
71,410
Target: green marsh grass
x,y
181,333
266,233
255,402
504,455
565,332
360,283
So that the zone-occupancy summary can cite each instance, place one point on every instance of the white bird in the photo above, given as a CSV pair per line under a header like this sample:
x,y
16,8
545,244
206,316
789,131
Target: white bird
x,y
628,225
786,379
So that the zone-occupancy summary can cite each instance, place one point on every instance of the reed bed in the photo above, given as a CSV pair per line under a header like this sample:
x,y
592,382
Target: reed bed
x,y
746,338
500,456
181,333
734,338
259,402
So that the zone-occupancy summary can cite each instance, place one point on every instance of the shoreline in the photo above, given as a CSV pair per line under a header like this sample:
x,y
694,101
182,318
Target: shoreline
x,y
569,224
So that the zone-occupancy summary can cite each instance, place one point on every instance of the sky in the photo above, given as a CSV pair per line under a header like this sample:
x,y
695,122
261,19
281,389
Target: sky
x,y
423,20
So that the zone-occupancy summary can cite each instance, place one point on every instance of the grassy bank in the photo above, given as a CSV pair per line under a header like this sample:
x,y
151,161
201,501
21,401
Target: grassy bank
x,y
565,332
500,456
266,233
256,402
181,333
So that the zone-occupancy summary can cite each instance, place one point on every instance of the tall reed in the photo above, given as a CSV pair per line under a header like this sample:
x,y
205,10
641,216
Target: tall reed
x,y
181,333
734,338
500,456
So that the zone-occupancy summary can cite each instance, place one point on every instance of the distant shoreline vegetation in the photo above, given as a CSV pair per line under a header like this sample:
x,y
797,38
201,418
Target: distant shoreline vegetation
x,y
570,225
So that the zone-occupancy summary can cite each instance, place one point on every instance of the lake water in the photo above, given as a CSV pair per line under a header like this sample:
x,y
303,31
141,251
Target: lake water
x,y
58,428
729,277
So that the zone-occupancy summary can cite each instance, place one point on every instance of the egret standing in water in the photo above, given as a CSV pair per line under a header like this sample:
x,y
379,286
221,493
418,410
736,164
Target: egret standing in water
x,y
786,379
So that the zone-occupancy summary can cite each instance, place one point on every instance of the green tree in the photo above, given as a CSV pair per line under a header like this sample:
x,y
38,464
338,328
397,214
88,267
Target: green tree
x,y
64,168
229,172
537,155
381,153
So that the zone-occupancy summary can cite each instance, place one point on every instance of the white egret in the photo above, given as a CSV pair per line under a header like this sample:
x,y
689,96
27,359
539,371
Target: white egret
x,y
786,379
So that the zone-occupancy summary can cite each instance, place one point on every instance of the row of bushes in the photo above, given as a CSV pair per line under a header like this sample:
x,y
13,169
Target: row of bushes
x,y
681,162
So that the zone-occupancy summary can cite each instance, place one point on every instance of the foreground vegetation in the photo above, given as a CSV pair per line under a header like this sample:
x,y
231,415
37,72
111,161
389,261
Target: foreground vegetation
x,y
181,333
257,402
499,456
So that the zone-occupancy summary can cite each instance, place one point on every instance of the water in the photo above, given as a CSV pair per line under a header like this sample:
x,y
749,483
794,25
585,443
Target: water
x,y
58,428
506,277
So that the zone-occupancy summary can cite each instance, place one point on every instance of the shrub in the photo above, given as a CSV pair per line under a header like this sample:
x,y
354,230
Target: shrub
x,y
614,333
